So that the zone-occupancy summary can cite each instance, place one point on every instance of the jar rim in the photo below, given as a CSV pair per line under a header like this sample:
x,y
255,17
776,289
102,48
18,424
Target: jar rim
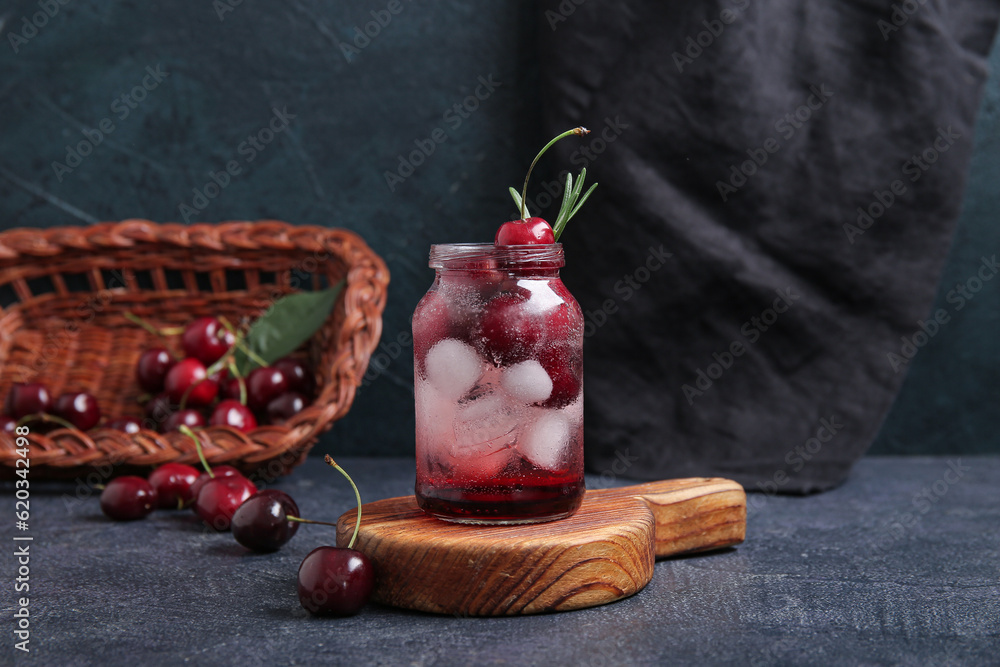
x,y
474,256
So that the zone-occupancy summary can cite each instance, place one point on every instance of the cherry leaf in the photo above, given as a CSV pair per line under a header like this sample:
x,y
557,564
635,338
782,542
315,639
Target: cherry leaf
x,y
288,323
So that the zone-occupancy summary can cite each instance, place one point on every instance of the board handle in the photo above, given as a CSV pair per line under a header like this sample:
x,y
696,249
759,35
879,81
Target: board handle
x,y
692,514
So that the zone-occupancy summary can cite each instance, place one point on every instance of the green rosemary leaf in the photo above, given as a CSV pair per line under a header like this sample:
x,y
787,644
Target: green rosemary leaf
x,y
517,200
582,200
565,207
579,184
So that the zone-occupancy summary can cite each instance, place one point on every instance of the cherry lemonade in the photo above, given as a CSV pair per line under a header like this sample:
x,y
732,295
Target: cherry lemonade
x,y
498,383
498,373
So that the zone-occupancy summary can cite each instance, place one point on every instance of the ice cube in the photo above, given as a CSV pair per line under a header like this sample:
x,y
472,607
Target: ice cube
x,y
435,418
453,368
485,423
527,382
544,441
485,428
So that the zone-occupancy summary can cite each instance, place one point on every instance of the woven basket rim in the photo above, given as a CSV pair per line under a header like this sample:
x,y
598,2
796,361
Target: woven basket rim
x,y
360,304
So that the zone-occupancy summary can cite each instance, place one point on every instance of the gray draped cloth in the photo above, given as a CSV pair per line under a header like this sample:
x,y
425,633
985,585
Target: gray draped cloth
x,y
779,185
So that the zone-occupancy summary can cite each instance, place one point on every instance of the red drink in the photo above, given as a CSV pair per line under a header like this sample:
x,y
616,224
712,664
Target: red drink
x,y
498,384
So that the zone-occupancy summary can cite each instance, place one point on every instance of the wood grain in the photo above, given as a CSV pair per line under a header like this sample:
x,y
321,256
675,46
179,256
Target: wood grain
x,y
602,553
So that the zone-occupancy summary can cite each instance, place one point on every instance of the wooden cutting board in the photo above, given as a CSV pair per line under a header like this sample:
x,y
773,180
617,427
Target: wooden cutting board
x,y
602,553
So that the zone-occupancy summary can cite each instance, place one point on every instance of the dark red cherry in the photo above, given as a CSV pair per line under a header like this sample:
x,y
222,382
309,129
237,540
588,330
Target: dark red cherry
x,y
159,409
152,368
263,386
235,414
172,482
285,407
219,499
188,417
300,378
334,581
128,498
565,368
510,331
188,377
230,388
206,339
431,324
128,425
28,398
524,232
261,522
218,471
7,424
78,408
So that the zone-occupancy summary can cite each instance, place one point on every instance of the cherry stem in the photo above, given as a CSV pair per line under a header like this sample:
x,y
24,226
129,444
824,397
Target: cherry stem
x,y
357,494
239,378
579,131
299,519
226,358
45,417
186,430
241,344
135,319
187,393
253,356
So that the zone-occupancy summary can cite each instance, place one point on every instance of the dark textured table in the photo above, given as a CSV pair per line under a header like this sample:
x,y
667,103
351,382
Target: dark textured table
x,y
898,566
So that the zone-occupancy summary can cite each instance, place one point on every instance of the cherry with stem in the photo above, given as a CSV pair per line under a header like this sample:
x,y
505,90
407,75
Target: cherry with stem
x,y
528,230
337,581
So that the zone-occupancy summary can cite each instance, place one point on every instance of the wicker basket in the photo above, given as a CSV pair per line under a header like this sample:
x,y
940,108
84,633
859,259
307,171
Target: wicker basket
x,y
71,286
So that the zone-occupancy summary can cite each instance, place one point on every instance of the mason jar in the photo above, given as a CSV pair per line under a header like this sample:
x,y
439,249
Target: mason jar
x,y
498,386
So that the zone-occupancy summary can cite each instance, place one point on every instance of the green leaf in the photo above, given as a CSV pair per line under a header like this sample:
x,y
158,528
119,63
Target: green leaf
x,y
517,200
567,203
288,323
579,184
583,200
557,231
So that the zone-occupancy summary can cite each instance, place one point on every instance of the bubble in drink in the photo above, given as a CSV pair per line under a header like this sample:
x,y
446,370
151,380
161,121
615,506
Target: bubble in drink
x,y
545,440
527,382
453,368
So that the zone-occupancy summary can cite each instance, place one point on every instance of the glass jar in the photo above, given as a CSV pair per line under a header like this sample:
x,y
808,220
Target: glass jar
x,y
498,386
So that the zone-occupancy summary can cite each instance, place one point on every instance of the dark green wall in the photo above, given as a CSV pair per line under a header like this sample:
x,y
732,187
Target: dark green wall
x,y
950,399
354,115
